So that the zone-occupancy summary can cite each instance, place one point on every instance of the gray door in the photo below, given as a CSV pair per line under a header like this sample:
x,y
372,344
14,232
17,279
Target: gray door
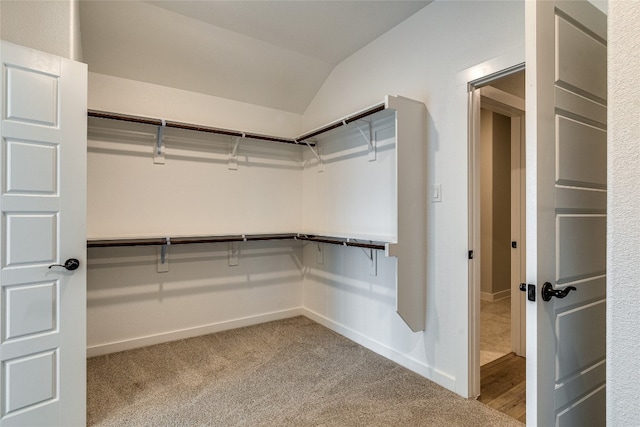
x,y
566,212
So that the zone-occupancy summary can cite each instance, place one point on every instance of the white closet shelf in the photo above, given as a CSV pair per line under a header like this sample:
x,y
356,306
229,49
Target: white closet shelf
x,y
181,240
187,126
301,140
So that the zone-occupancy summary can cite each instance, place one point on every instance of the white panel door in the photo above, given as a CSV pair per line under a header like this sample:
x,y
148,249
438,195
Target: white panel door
x,y
566,52
42,223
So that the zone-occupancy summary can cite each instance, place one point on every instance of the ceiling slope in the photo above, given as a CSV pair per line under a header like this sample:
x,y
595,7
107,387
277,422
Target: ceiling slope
x,y
275,54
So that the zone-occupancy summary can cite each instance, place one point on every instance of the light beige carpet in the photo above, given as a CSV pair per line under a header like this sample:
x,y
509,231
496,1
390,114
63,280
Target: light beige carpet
x,y
293,372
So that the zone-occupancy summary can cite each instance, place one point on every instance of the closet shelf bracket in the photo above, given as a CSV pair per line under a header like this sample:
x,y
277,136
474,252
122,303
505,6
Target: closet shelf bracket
x,y
234,254
317,154
320,253
372,257
163,256
368,137
163,251
233,155
159,149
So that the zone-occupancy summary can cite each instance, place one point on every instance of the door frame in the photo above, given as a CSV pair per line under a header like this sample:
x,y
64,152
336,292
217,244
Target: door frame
x,y
511,106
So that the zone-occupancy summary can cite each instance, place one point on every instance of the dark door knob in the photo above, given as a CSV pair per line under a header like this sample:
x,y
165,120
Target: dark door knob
x,y
70,264
548,292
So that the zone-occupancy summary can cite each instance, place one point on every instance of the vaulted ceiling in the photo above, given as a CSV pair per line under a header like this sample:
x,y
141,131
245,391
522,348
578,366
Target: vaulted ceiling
x,y
271,53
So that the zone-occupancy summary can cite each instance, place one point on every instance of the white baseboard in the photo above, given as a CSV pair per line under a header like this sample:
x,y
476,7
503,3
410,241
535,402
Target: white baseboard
x,y
130,344
414,365
487,296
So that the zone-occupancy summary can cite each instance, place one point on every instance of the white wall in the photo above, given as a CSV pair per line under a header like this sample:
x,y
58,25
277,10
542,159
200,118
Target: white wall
x,y
429,57
623,235
125,96
353,196
49,26
194,192
130,304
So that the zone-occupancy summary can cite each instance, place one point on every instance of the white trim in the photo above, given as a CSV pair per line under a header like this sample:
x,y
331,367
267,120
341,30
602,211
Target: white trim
x,y
496,98
443,379
130,344
446,380
488,296
491,70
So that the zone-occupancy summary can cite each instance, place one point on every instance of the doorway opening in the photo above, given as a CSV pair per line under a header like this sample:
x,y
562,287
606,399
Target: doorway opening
x,y
497,239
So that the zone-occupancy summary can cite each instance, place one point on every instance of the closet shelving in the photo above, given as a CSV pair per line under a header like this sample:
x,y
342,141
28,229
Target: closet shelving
x,y
161,241
408,245
302,139
187,126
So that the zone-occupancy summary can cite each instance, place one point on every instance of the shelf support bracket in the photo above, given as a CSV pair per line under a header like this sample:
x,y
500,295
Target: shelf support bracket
x,y
317,154
320,253
234,254
369,138
163,257
372,257
159,149
233,155
373,267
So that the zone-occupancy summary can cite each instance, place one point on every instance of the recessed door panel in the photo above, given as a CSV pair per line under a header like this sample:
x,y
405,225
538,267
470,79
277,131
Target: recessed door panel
x,y
41,177
32,96
581,60
580,150
29,381
586,412
31,239
581,334
581,246
29,310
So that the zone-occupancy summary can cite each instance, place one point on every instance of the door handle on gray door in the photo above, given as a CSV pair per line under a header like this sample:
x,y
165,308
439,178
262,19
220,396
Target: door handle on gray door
x,y
70,264
548,292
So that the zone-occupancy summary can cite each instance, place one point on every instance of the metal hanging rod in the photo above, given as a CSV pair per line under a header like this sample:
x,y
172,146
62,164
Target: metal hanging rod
x,y
342,241
343,122
187,126
161,241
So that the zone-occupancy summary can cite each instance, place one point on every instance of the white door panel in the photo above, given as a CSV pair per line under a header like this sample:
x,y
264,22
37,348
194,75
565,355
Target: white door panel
x,y
39,372
30,309
25,85
43,178
31,239
566,212
43,210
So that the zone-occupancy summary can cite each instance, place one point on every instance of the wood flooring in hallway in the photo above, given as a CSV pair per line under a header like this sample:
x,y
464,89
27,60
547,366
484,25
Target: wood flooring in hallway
x,y
503,385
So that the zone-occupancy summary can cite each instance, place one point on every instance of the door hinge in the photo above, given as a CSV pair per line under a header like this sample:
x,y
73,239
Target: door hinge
x,y
470,254
514,244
